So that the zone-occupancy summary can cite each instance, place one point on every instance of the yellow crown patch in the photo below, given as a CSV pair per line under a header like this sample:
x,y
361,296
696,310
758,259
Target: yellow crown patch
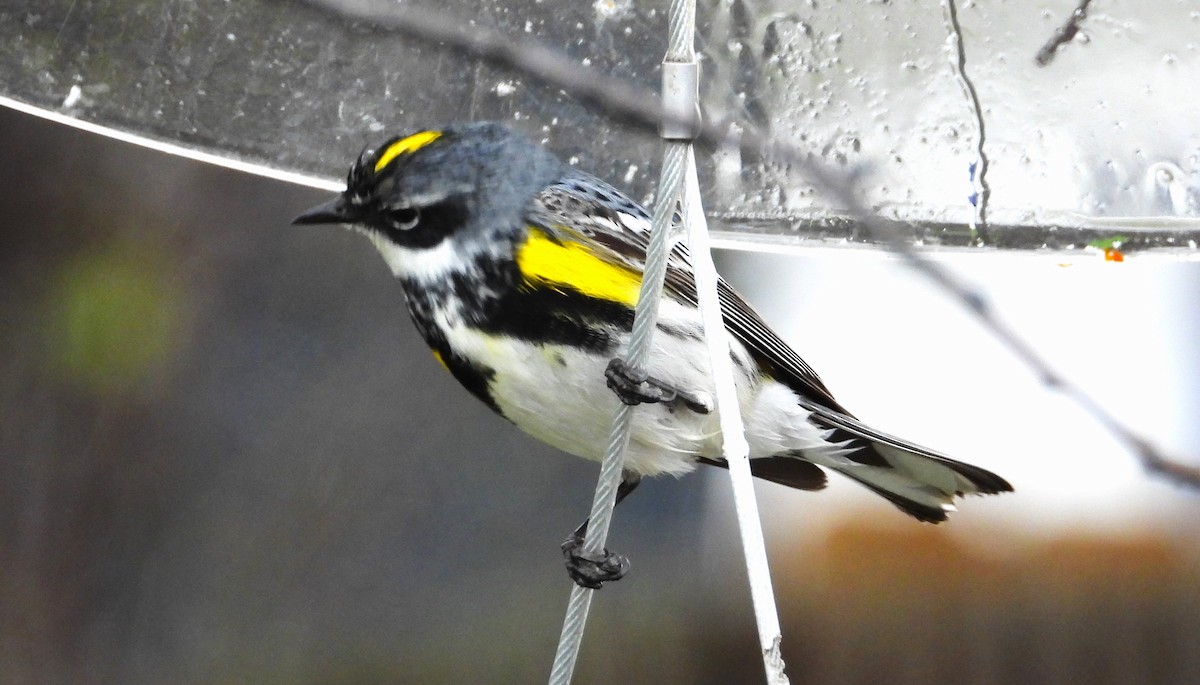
x,y
405,146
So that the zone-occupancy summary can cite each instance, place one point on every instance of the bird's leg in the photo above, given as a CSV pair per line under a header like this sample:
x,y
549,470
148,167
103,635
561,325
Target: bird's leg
x,y
592,571
635,387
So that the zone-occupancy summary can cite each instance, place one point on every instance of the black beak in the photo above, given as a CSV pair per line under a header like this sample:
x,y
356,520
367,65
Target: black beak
x,y
336,211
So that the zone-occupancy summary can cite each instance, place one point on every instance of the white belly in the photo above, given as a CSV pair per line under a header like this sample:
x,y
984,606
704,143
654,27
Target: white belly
x,y
558,394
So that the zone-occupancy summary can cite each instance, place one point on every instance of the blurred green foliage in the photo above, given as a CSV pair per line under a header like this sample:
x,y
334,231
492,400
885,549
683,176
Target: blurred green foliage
x,y
116,315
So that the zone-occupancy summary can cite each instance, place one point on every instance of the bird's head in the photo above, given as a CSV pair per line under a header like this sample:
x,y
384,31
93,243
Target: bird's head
x,y
441,192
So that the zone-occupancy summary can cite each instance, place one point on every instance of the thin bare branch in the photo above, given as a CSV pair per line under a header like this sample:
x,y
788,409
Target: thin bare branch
x,y
641,109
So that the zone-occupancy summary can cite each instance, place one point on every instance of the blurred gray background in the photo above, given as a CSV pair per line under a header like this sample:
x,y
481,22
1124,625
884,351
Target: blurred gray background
x,y
226,457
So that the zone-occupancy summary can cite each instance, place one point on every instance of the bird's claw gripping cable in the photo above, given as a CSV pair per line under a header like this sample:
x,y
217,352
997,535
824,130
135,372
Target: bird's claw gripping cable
x,y
634,388
592,571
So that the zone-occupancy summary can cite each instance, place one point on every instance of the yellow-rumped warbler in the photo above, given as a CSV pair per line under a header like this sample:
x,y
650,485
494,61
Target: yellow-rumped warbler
x,y
522,273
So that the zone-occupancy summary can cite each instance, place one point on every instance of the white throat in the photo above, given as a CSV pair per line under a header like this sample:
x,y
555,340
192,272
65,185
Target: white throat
x,y
427,265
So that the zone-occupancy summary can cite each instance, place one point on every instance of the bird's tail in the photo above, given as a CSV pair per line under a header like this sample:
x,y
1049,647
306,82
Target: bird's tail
x,y
921,482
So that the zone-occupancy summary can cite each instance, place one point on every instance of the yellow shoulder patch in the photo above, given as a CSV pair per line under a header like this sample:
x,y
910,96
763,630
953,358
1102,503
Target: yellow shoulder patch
x,y
440,359
404,146
544,262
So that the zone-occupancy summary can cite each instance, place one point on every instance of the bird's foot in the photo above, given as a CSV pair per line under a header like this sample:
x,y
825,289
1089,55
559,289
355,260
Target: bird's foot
x,y
592,571
635,387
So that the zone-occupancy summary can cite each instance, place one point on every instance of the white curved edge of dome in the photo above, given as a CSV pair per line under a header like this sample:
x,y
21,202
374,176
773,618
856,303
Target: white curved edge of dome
x,y
173,148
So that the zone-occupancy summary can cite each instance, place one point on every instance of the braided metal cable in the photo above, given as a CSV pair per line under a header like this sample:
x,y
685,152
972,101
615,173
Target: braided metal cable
x,y
681,36
681,42
670,187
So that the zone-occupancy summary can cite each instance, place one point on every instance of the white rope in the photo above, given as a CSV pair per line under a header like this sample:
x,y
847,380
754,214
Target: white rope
x,y
733,434
733,438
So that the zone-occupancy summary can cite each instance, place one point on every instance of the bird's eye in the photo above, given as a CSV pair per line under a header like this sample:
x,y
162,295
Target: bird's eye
x,y
402,218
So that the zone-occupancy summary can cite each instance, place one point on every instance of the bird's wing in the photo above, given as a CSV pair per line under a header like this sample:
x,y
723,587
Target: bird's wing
x,y
584,208
918,480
